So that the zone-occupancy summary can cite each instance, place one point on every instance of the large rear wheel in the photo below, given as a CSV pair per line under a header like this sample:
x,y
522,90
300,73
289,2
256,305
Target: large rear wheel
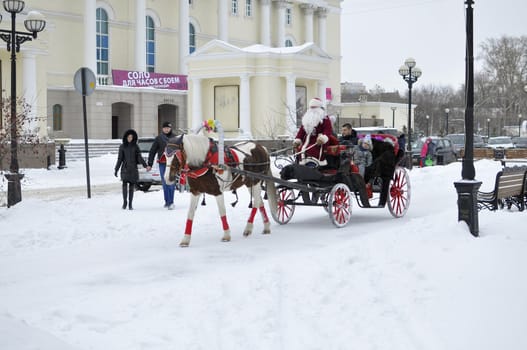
x,y
399,193
285,207
339,205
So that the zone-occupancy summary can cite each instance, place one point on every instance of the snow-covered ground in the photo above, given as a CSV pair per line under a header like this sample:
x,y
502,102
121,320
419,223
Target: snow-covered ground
x,y
79,273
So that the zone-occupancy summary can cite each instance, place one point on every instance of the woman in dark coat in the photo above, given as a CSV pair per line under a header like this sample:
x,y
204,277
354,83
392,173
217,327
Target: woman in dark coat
x,y
128,159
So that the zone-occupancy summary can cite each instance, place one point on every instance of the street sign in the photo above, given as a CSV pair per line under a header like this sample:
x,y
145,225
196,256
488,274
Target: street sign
x,y
84,81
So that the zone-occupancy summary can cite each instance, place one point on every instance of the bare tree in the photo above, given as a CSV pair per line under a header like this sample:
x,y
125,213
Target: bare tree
x,y
24,135
504,76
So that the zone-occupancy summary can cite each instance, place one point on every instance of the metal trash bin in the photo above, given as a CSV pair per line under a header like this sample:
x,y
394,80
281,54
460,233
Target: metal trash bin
x,y
499,153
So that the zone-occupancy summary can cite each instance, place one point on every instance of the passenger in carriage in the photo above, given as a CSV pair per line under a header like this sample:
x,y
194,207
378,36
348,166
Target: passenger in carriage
x,y
362,156
315,133
349,135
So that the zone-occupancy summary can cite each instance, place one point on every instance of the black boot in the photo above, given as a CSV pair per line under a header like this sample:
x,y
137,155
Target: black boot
x,y
130,196
125,193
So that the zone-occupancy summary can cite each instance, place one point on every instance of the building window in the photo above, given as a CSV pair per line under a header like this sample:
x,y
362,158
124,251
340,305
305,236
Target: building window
x,y
234,7
248,8
57,117
288,16
150,44
192,38
288,43
102,42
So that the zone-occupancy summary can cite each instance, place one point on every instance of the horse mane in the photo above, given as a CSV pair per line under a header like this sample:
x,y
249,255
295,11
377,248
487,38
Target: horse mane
x,y
196,148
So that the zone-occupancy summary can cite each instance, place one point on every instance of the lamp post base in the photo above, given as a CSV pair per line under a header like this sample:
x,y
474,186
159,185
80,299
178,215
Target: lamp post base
x,y
467,203
14,190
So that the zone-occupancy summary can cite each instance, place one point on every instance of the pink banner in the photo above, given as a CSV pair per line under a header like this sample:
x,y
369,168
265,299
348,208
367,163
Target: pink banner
x,y
329,96
147,79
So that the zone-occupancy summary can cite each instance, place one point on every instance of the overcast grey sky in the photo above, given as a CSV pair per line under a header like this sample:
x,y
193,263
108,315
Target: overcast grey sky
x,y
377,36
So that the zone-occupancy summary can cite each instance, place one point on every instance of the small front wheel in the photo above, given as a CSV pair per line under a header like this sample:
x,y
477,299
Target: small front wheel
x,y
285,206
339,205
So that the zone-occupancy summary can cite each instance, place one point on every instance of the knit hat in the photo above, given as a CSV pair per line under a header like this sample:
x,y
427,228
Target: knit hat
x,y
167,125
315,103
367,139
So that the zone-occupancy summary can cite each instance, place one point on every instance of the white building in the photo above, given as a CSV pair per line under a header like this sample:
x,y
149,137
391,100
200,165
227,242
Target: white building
x,y
252,64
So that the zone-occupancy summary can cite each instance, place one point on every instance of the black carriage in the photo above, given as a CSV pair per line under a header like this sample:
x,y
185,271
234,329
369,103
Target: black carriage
x,y
386,182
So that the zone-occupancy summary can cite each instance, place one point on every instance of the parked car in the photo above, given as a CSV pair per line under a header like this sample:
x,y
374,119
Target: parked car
x,y
458,140
365,130
502,142
520,142
147,178
444,150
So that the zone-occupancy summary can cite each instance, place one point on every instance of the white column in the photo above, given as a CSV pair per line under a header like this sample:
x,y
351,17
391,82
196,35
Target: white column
x,y
245,106
265,29
223,26
321,88
291,103
90,34
183,35
29,88
280,40
140,36
322,16
197,112
308,21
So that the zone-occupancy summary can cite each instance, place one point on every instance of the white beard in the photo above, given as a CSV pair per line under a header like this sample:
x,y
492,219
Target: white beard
x,y
312,118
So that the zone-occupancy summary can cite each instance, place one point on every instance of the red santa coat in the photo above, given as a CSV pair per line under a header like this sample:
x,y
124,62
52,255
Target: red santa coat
x,y
324,128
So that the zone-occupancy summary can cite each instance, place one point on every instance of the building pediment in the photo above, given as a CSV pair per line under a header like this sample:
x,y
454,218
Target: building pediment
x,y
218,47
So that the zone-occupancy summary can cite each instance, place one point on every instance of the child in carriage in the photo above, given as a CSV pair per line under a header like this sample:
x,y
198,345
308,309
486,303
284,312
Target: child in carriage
x,y
362,156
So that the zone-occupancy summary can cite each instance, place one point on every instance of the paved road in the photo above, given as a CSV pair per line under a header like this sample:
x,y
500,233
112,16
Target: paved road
x,y
67,192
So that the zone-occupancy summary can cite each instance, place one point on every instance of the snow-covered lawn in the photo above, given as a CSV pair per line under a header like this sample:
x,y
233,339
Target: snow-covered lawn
x,y
79,273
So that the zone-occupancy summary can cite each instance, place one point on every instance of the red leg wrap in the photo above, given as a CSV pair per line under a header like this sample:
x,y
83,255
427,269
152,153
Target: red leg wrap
x,y
264,214
253,213
188,227
224,223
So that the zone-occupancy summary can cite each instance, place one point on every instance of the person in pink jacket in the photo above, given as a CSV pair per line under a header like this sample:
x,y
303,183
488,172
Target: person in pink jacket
x,y
427,150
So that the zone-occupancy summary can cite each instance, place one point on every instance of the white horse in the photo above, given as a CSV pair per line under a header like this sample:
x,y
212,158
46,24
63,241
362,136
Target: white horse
x,y
196,156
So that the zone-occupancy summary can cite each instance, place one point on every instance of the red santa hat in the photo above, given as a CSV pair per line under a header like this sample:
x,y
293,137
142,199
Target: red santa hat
x,y
315,103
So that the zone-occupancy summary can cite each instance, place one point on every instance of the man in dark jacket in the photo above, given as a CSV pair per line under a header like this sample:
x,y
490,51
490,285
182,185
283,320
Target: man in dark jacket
x,y
158,147
128,158
349,135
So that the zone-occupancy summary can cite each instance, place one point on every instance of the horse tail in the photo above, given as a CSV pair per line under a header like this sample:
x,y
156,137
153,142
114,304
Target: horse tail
x,y
270,189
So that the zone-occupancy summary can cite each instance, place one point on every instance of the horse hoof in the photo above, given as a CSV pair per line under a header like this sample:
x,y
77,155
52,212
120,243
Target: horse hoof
x,y
226,239
266,232
247,233
185,241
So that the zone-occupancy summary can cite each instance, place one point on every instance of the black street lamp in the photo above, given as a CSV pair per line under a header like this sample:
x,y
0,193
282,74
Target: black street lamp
x,y
447,110
360,119
427,120
34,23
468,186
393,116
488,128
410,74
519,125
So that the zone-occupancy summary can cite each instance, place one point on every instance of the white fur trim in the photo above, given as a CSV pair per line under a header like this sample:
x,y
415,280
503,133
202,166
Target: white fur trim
x,y
315,103
321,138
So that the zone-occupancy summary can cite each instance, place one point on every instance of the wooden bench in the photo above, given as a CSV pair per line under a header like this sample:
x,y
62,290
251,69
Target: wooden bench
x,y
510,188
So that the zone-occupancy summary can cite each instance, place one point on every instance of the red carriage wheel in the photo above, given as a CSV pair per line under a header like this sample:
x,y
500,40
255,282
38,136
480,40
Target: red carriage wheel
x,y
284,211
339,205
399,193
